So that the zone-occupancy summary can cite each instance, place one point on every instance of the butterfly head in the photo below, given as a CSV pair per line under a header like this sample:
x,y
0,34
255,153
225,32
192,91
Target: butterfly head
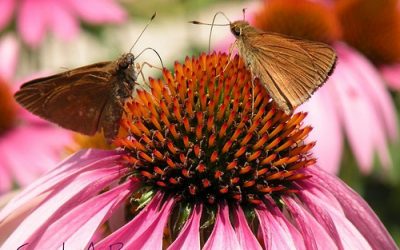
x,y
237,27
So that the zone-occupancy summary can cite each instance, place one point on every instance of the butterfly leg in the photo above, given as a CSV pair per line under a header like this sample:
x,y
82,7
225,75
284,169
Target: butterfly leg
x,y
140,67
230,53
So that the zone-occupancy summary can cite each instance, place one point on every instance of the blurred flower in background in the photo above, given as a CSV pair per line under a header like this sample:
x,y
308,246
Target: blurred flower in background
x,y
29,146
373,28
34,18
196,171
354,100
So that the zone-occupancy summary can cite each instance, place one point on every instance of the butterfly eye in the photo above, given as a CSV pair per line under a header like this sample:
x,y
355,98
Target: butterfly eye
x,y
236,31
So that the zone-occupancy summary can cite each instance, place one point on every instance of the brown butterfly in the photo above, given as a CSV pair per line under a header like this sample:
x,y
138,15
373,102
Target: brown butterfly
x,y
86,99
290,69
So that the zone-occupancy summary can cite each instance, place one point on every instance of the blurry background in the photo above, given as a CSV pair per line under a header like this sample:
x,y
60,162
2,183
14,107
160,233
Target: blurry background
x,y
54,35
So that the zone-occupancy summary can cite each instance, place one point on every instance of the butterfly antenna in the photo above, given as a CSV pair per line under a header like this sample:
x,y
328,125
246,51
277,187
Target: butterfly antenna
x,y
212,26
155,51
244,14
141,33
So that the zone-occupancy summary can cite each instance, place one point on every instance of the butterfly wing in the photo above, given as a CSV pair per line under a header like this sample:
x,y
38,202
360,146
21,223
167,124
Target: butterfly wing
x,y
290,69
74,99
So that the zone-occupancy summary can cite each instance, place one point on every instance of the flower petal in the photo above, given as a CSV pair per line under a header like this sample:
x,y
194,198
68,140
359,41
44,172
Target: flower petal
x,y
61,21
189,237
31,22
323,117
391,73
9,52
223,236
77,227
314,235
246,237
355,208
98,11
145,231
277,231
66,171
61,199
7,9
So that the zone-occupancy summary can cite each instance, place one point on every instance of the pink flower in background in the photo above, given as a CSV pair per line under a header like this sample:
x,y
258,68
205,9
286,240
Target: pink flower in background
x,y
29,146
196,171
353,102
36,17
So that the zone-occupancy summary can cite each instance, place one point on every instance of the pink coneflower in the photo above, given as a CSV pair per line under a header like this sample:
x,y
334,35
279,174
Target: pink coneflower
x,y
35,17
196,170
352,97
29,146
373,27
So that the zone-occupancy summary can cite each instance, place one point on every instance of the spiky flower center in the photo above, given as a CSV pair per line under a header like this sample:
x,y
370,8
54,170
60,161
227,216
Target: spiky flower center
x,y
299,18
198,135
8,110
373,27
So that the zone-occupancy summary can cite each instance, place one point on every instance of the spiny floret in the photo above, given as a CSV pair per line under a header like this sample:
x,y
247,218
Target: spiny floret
x,y
197,136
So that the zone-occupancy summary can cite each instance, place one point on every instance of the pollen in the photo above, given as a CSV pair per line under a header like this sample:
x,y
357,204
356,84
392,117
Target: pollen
x,y
299,18
198,135
8,109
373,27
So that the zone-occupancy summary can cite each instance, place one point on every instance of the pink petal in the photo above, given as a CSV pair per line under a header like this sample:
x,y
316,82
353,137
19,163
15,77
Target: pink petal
x,y
98,11
341,230
376,89
314,235
277,231
361,122
391,73
61,21
355,208
246,237
9,52
76,228
27,161
7,9
66,171
223,236
61,199
31,21
323,117
145,231
189,237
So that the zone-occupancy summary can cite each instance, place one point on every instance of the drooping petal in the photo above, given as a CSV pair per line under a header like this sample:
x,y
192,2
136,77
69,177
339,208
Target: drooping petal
x,y
25,161
223,236
356,209
61,21
391,73
314,235
61,199
277,231
189,237
244,234
356,110
7,9
77,227
98,11
323,117
375,88
65,171
32,21
9,52
341,230
145,231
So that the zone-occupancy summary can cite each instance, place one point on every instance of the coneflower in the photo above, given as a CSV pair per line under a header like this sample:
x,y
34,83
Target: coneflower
x,y
199,166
